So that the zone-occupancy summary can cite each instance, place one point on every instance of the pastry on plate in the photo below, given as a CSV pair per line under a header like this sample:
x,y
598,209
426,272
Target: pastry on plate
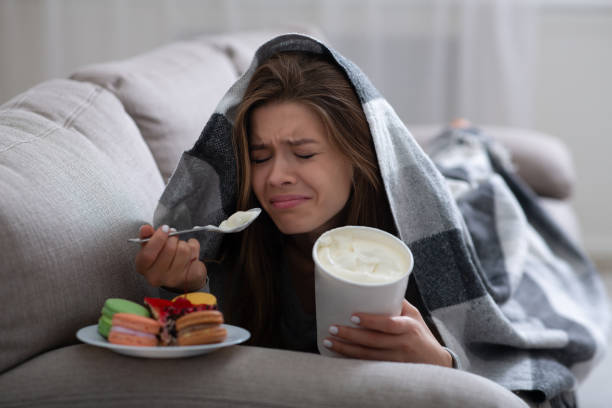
x,y
166,312
133,330
203,327
198,298
116,305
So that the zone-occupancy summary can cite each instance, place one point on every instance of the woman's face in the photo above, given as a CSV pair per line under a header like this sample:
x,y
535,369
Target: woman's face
x,y
301,180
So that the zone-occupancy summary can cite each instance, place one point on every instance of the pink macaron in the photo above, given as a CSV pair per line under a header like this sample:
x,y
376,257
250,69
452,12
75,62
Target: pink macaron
x,y
133,330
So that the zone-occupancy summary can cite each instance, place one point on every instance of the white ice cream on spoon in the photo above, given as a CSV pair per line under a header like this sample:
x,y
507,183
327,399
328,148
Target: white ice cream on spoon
x,y
235,223
238,219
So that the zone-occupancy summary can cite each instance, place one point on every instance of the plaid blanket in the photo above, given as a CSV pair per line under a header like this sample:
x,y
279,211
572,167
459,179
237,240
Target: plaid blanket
x,y
514,299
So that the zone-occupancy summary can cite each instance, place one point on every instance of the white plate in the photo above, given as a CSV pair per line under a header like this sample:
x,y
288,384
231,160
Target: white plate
x,y
235,335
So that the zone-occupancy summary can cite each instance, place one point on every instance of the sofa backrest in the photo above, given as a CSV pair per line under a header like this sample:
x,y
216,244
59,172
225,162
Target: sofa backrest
x,y
80,163
76,180
169,92
172,91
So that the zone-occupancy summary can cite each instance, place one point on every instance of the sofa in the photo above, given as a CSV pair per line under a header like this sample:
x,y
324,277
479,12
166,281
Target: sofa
x,y
83,161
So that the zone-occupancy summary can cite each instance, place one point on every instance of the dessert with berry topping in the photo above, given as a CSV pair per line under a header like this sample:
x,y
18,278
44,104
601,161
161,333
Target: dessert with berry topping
x,y
166,312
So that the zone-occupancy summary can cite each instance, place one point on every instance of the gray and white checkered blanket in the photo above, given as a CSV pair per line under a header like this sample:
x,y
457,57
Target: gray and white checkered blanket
x,y
515,300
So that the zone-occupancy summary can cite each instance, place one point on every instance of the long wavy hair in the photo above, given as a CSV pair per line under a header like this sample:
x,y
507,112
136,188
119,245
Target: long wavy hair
x,y
252,296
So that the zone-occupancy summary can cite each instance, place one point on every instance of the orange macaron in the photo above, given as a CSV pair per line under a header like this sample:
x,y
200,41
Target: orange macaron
x,y
133,330
202,327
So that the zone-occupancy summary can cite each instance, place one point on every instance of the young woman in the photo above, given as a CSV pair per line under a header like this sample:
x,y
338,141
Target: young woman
x,y
305,136
305,155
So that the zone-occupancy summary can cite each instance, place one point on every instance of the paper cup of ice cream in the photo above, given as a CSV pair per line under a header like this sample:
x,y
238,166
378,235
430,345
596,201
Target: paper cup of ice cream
x,y
358,270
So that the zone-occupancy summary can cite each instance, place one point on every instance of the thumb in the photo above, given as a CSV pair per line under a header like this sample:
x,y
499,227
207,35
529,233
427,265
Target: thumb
x,y
145,231
409,309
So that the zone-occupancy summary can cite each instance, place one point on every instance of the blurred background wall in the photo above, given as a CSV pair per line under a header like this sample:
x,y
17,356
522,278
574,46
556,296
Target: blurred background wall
x,y
541,64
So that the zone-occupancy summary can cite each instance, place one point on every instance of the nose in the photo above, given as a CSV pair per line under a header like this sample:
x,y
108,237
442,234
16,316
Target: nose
x,y
281,172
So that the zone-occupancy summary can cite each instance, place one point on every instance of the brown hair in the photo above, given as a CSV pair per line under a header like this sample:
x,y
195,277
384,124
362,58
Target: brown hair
x,y
319,84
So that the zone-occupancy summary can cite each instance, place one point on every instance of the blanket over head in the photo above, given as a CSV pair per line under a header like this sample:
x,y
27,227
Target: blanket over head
x,y
515,300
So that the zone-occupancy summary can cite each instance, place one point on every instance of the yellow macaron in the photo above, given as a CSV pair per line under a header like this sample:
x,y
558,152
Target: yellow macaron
x,y
198,298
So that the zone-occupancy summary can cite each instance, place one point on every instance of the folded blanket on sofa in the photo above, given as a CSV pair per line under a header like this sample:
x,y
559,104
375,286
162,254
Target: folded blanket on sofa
x,y
509,293
539,319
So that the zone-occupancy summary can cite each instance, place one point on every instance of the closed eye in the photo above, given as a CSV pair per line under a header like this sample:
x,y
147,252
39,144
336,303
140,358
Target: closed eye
x,y
305,156
257,161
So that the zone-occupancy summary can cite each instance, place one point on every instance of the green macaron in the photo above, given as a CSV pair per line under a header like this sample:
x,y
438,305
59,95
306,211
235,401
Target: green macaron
x,y
116,305
104,326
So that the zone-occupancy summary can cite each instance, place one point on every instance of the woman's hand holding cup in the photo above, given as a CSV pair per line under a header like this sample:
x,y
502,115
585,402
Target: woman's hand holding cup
x,y
404,338
167,261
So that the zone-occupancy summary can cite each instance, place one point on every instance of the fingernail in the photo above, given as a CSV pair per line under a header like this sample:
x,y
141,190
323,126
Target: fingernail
x,y
172,229
355,319
327,343
165,228
333,330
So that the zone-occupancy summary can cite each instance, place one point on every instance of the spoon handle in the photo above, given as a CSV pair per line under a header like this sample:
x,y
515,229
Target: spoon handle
x,y
194,229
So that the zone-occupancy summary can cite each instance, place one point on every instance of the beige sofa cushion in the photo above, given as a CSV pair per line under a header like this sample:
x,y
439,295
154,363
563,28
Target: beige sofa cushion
x,y
240,47
242,376
170,93
542,160
76,180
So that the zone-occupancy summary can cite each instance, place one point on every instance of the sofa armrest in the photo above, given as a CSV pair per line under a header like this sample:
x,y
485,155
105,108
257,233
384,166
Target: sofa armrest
x,y
542,160
83,375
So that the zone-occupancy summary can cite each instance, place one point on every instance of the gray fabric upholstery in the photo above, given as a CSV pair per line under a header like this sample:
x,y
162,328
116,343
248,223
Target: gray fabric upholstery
x,y
76,181
563,214
240,47
241,376
543,161
169,92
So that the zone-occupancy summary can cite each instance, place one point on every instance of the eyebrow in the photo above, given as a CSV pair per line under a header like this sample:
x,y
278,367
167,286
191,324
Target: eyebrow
x,y
299,142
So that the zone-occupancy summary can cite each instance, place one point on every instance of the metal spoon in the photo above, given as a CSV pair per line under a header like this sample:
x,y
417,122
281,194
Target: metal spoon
x,y
243,219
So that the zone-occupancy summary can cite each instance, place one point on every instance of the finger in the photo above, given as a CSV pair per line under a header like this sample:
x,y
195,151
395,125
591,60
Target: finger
x,y
145,231
388,324
175,276
195,248
385,323
149,253
357,351
195,275
159,272
408,309
367,338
